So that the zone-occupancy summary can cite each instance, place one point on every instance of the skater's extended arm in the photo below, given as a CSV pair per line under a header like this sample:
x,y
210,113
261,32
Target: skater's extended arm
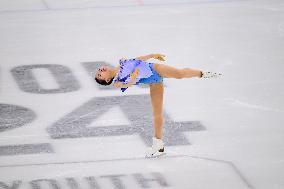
x,y
132,81
119,84
155,56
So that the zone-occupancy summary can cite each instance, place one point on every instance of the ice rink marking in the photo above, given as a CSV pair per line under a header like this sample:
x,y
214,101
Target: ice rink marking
x,y
229,163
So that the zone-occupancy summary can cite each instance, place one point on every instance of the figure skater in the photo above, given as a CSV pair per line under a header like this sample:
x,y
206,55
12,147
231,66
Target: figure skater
x,y
138,70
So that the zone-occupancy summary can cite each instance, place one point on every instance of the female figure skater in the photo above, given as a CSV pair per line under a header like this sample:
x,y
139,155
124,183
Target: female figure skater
x,y
137,70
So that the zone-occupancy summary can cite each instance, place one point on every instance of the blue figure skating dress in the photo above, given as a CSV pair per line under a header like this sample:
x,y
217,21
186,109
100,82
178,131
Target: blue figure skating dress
x,y
147,73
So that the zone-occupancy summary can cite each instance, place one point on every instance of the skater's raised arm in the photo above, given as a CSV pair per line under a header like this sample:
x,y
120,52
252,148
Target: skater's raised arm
x,y
146,57
155,56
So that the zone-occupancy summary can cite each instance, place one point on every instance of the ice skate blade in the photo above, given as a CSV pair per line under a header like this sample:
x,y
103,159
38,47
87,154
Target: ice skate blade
x,y
156,155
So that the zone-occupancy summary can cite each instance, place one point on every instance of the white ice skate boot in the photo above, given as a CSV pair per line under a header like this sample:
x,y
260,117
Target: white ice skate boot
x,y
157,148
209,74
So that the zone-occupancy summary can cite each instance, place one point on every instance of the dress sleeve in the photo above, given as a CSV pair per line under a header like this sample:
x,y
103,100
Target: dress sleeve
x,y
126,68
117,79
124,80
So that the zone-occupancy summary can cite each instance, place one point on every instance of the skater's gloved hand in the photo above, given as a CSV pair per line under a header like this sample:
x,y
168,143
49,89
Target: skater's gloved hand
x,y
159,57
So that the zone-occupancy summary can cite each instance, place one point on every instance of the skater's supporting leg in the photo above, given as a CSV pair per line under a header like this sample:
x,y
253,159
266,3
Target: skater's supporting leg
x,y
156,93
178,73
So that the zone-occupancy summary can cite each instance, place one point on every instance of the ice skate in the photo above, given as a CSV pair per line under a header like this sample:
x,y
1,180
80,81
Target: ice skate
x,y
157,149
210,74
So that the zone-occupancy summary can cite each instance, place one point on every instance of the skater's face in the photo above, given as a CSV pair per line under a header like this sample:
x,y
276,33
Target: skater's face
x,y
103,73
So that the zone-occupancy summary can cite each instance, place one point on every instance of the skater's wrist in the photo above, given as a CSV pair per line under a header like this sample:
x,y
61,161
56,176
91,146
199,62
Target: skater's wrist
x,y
160,57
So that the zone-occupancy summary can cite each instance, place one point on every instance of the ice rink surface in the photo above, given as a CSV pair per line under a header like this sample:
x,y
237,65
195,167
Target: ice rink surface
x,y
60,130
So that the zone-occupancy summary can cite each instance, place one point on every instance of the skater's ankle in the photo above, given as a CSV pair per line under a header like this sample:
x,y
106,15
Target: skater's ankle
x,y
157,137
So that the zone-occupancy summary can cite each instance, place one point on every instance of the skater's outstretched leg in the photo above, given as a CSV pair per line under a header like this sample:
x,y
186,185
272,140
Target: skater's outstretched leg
x,y
180,73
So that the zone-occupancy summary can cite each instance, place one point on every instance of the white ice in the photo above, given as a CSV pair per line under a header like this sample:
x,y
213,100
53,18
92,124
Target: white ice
x,y
243,111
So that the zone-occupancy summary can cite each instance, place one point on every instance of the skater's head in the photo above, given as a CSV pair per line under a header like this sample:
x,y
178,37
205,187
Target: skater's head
x,y
104,75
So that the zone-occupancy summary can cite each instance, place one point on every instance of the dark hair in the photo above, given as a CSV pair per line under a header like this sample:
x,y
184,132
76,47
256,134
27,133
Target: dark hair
x,y
103,82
